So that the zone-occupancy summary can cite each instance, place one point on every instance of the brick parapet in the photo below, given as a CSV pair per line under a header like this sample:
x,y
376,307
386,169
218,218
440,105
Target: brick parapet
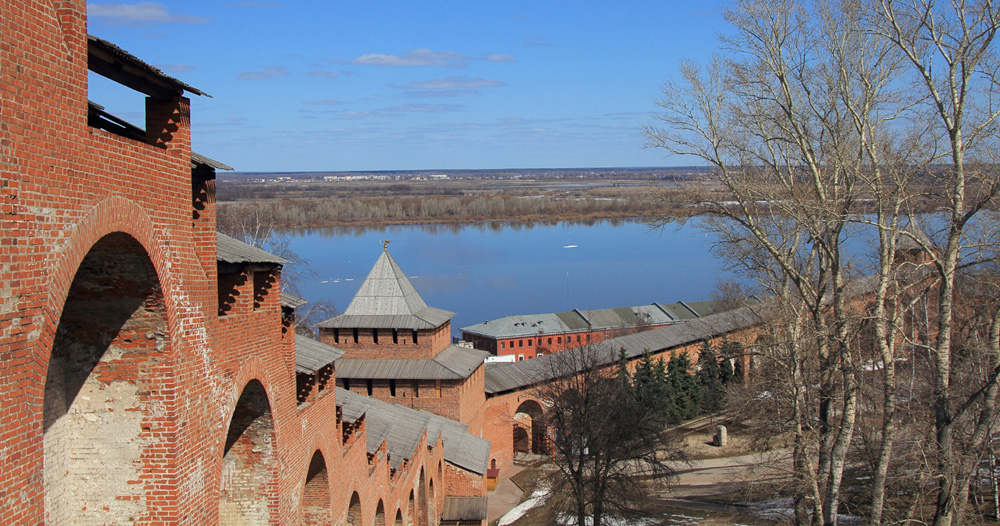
x,y
65,186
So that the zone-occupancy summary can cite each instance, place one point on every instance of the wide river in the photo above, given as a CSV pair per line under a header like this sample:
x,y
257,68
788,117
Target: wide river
x,y
486,271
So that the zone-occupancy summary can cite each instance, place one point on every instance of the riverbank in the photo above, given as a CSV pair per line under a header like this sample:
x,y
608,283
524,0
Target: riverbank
x,y
326,204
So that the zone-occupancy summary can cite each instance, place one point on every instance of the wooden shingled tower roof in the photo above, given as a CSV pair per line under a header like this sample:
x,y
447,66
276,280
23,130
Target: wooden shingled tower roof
x,y
387,299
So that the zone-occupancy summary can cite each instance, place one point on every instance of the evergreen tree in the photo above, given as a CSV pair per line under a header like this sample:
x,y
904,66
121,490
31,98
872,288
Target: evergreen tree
x,y
731,352
684,388
707,378
623,374
726,372
649,384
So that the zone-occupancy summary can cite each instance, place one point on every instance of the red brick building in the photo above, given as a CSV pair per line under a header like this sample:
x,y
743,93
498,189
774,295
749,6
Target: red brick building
x,y
150,373
525,336
399,350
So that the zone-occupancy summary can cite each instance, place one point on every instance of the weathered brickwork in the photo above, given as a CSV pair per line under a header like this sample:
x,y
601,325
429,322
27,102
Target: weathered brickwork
x,y
510,419
137,386
390,343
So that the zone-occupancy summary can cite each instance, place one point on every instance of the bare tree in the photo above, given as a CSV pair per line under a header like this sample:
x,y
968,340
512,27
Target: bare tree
x,y
956,38
823,120
608,447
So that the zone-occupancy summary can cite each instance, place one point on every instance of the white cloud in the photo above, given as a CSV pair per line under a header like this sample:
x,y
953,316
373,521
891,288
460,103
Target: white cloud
x,y
260,5
414,57
496,57
140,13
324,74
325,102
453,83
536,40
393,111
448,87
265,74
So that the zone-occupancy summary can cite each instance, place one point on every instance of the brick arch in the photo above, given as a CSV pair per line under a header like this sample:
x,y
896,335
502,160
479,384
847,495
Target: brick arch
x,y
431,502
315,508
529,430
410,510
248,490
421,515
251,370
354,510
112,215
108,388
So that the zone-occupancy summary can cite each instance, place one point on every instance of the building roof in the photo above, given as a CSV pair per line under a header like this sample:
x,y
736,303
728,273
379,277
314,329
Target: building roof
x,y
526,325
199,159
230,250
387,299
401,428
462,509
913,238
312,355
453,363
502,377
111,61
291,301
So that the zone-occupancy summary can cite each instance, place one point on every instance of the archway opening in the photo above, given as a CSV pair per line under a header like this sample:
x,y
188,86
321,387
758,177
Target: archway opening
x,y
316,494
431,504
107,441
410,519
354,511
529,429
522,441
399,518
380,514
422,500
249,462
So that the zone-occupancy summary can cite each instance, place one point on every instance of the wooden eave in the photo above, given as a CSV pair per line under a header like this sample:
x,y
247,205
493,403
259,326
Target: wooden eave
x,y
108,60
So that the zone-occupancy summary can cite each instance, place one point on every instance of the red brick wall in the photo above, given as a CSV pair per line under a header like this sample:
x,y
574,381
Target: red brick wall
x,y
64,187
499,409
429,342
528,347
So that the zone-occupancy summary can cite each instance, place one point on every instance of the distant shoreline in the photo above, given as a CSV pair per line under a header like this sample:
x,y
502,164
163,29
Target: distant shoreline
x,y
317,204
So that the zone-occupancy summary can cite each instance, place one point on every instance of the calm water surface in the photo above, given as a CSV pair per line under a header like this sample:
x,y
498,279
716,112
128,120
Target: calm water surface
x,y
486,271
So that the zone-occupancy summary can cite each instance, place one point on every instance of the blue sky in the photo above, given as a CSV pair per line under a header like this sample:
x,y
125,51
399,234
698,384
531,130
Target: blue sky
x,y
406,85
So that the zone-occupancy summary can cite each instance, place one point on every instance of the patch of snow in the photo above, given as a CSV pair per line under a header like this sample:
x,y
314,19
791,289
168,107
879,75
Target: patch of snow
x,y
611,520
537,498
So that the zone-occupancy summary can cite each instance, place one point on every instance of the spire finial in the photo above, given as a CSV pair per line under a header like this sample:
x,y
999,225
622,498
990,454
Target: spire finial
x,y
385,245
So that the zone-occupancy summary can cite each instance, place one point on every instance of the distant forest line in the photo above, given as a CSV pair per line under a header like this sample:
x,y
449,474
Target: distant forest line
x,y
321,204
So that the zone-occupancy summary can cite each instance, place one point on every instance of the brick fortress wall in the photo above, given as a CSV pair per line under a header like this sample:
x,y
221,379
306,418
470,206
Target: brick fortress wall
x,y
125,395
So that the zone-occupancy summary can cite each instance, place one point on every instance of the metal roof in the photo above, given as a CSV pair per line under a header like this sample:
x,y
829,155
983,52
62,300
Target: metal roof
x,y
703,308
401,428
461,509
502,377
199,159
574,320
913,237
453,363
427,318
387,299
312,355
526,325
111,61
291,301
234,251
